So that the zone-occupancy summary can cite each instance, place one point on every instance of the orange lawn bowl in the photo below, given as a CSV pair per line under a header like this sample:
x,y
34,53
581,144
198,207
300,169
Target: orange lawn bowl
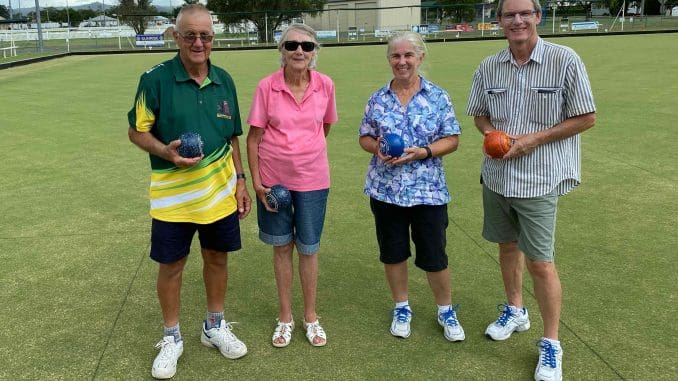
x,y
497,144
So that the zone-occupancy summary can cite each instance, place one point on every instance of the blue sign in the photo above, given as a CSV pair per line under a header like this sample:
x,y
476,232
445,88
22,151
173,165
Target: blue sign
x,y
421,28
150,40
326,33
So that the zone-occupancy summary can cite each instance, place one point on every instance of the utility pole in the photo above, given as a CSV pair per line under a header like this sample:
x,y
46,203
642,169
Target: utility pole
x,y
68,29
37,15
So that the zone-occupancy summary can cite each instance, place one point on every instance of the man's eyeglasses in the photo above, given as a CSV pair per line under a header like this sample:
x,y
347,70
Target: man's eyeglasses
x,y
191,37
524,15
307,46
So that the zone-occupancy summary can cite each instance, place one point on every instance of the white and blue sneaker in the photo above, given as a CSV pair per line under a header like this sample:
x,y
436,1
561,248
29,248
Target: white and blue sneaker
x,y
400,326
550,366
451,327
222,338
511,319
165,363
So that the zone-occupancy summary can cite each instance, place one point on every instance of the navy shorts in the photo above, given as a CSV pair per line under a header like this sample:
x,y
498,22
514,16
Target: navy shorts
x,y
427,224
171,241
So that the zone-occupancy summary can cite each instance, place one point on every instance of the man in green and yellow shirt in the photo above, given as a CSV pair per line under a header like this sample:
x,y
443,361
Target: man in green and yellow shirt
x,y
206,194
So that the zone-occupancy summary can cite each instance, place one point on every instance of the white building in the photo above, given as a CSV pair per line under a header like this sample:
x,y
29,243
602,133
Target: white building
x,y
340,15
99,21
159,21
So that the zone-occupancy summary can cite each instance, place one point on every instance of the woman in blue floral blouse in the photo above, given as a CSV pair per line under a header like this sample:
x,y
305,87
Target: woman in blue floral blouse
x,y
408,194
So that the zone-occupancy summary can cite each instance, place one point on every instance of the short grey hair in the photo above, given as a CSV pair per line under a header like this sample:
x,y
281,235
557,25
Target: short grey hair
x,y
535,4
413,38
191,9
305,29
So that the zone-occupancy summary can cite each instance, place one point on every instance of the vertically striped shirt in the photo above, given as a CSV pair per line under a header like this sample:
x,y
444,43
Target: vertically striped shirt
x,y
551,87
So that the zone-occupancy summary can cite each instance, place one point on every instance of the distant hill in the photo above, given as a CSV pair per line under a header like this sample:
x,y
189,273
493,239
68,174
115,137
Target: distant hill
x,y
96,6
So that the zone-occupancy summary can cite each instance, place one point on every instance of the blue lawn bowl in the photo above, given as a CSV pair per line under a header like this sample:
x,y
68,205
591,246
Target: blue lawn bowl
x,y
391,145
279,197
191,145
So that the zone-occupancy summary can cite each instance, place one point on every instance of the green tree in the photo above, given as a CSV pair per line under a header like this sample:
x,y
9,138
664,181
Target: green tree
x,y
266,15
458,10
64,15
47,14
613,5
52,14
135,13
4,12
174,12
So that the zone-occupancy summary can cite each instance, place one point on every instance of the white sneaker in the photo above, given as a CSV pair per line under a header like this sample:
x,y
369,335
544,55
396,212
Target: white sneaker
x,y
222,338
400,326
165,363
550,366
451,327
511,319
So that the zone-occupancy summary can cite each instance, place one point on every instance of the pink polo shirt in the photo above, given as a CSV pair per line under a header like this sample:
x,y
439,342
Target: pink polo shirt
x,y
293,149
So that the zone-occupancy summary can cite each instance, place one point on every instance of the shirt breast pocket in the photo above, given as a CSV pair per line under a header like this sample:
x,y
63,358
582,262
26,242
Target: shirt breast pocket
x,y
497,104
546,105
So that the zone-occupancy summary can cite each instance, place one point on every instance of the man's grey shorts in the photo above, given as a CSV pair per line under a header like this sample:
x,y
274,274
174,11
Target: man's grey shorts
x,y
530,221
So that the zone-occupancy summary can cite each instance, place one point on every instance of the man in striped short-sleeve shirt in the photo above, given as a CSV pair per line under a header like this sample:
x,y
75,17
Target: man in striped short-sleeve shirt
x,y
539,93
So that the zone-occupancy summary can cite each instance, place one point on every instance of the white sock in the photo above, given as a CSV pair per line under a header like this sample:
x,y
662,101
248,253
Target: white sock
x,y
443,308
516,310
213,319
403,304
173,331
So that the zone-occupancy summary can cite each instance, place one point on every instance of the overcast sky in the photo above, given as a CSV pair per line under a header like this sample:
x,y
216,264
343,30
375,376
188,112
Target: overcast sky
x,y
62,3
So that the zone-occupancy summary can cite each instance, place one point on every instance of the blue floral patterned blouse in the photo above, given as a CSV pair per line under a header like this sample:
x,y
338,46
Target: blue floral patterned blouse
x,y
428,117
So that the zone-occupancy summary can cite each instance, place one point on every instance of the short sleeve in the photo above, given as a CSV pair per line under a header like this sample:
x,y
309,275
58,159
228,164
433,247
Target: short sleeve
x,y
476,104
142,116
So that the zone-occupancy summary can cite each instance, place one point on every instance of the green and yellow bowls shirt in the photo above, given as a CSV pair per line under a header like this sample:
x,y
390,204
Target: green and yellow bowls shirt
x,y
168,102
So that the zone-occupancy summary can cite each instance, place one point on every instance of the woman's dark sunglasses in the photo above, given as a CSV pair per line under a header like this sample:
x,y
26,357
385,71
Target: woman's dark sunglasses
x,y
307,46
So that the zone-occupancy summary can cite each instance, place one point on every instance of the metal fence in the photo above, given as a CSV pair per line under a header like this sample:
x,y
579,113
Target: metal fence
x,y
336,26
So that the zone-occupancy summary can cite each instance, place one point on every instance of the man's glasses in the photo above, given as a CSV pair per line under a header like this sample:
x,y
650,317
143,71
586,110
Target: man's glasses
x,y
307,46
191,37
524,15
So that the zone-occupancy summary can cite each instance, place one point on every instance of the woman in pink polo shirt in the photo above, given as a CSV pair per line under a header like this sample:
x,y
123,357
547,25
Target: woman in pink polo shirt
x,y
291,114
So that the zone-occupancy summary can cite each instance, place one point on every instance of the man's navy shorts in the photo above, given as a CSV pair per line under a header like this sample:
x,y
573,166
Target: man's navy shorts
x,y
171,241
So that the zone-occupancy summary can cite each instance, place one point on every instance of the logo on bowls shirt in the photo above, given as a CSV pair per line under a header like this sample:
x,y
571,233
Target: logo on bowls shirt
x,y
224,111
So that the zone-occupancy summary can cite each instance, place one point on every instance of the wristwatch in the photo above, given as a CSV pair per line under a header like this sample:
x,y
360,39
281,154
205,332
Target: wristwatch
x,y
429,154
